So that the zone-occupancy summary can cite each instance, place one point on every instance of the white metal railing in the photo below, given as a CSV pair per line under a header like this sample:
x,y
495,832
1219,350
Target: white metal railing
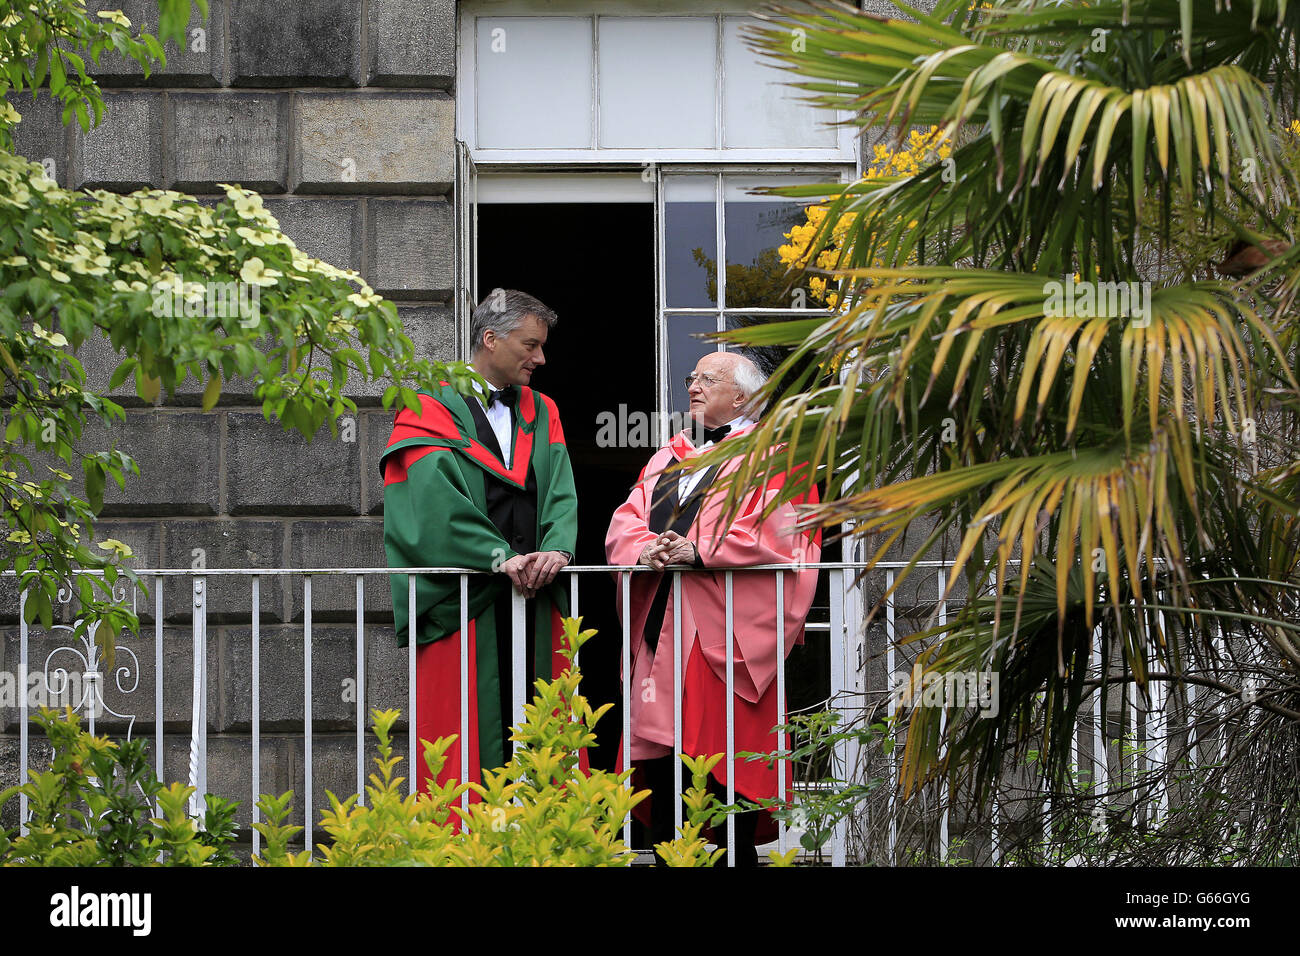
x,y
849,660
844,659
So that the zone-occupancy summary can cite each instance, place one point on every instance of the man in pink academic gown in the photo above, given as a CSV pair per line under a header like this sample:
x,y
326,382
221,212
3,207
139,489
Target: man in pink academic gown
x,y
677,520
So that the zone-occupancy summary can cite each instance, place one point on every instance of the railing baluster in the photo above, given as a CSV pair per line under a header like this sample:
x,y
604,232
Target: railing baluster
x,y
308,813
24,758
780,702
1131,697
1160,703
518,661
995,848
573,610
857,699
257,700
1100,760
942,610
464,689
361,693
891,709
625,581
1224,706
835,581
198,712
731,723
677,699
159,739
412,632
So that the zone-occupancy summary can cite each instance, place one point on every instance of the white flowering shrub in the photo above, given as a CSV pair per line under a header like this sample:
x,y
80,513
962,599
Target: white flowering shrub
x,y
182,291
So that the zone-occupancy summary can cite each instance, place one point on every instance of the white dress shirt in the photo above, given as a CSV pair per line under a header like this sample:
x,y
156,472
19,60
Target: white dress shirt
x,y
498,416
686,483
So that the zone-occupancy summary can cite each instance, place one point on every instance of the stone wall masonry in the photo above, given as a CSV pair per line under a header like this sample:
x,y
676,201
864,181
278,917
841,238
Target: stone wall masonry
x,y
124,152
327,229
324,543
412,43
41,136
407,260
330,107
200,61
228,137
379,143
270,471
289,43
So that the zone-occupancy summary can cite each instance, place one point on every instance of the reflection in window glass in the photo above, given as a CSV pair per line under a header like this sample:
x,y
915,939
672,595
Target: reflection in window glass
x,y
534,82
690,242
770,357
760,107
658,82
684,350
755,228
766,358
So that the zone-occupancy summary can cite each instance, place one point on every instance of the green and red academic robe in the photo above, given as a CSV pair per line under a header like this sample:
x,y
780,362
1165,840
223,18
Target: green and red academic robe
x,y
436,477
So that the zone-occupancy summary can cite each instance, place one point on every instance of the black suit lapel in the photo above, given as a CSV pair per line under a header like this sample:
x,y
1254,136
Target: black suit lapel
x,y
486,436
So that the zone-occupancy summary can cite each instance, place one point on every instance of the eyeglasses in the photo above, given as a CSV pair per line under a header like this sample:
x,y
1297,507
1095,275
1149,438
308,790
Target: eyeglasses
x,y
706,381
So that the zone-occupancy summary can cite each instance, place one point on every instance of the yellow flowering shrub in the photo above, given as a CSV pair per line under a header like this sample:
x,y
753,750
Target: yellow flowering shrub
x,y
922,149
541,809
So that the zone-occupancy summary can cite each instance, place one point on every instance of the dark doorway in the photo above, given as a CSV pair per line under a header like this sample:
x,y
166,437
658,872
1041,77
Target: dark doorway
x,y
593,264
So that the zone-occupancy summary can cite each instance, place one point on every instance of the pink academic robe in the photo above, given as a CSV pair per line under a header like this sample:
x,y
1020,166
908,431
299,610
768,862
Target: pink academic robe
x,y
747,540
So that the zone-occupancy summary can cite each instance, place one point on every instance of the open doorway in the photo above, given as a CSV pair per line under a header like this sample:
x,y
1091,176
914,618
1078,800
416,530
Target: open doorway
x,y
594,265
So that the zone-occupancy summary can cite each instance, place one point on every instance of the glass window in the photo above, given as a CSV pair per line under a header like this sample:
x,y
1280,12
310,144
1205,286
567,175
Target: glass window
x,y
684,350
760,108
684,85
755,229
658,82
690,241
534,82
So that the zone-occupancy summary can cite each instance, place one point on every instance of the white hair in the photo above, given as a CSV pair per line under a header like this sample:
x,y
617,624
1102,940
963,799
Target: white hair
x,y
749,380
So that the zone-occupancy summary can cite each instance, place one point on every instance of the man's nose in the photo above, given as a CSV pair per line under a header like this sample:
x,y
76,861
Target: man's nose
x,y
540,358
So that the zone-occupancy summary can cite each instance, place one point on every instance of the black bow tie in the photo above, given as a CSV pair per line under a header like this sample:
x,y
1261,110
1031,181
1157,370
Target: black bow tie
x,y
506,396
716,434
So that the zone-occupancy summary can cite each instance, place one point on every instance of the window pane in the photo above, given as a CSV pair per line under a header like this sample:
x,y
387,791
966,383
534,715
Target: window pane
x,y
756,226
684,350
760,108
534,82
690,241
658,82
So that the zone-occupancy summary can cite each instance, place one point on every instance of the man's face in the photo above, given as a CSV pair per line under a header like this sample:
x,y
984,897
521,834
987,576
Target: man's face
x,y
511,358
715,399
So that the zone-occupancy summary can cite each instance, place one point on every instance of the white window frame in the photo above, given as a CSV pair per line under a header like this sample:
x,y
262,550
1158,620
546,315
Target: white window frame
x,y
846,150
664,311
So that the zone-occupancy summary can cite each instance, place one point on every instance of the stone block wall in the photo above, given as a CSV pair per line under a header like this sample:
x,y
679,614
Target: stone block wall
x,y
341,113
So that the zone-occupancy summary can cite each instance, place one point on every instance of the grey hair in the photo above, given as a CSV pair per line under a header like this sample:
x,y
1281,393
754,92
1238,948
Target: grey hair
x,y
749,380
503,311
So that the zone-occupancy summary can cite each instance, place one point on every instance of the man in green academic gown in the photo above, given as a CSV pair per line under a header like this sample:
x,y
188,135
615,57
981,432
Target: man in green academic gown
x,y
481,482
